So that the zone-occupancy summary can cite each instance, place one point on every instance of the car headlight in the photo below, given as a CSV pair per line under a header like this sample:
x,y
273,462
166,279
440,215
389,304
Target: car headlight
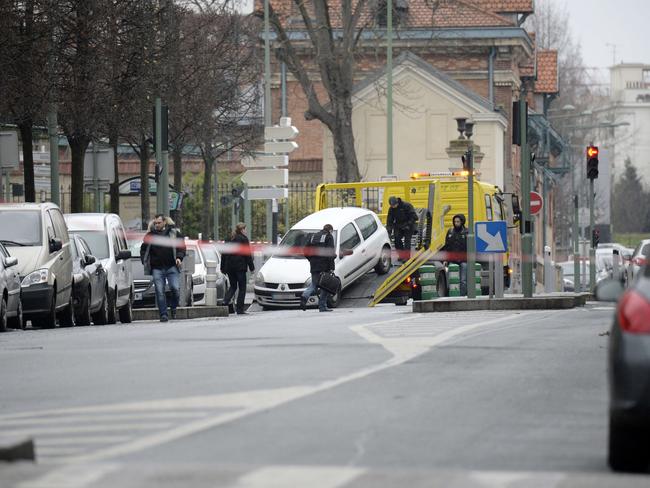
x,y
308,282
259,279
198,280
35,278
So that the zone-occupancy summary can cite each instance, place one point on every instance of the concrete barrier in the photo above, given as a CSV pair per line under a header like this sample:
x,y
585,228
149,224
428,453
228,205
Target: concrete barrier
x,y
182,313
554,302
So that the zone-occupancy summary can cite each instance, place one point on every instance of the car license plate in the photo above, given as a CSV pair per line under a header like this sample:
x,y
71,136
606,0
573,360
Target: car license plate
x,y
138,296
278,296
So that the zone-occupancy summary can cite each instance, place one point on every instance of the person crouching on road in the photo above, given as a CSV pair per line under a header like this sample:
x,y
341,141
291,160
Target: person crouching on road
x,y
456,245
401,221
162,251
234,264
320,254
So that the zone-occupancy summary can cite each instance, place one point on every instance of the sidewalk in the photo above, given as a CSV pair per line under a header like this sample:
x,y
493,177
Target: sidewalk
x,y
542,301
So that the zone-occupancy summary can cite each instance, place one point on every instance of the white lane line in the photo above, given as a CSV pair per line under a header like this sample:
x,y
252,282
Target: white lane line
x,y
57,451
86,428
73,476
90,417
504,479
269,399
81,440
299,476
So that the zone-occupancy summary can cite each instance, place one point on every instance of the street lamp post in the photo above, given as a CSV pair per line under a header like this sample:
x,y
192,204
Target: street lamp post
x,y
467,127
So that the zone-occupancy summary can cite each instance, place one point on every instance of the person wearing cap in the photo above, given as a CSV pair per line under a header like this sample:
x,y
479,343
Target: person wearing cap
x,y
401,222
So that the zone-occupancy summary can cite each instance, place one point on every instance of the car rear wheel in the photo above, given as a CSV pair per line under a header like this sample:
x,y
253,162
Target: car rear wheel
x,y
83,317
18,321
112,306
628,448
66,316
126,312
384,263
48,320
100,317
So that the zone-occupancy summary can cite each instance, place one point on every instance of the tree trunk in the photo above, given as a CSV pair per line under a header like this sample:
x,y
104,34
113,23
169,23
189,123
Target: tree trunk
x,y
78,146
144,181
28,159
207,193
177,154
115,186
347,167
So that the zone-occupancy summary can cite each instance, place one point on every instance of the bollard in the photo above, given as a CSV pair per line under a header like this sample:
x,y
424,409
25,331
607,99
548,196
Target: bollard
x,y
428,282
549,280
453,279
477,279
211,283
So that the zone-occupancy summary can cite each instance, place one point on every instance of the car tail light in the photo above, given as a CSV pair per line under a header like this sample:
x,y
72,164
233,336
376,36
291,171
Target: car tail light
x,y
634,313
639,261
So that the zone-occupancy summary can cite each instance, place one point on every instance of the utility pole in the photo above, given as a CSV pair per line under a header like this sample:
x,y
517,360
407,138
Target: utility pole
x,y
272,205
526,237
53,132
470,275
389,88
162,159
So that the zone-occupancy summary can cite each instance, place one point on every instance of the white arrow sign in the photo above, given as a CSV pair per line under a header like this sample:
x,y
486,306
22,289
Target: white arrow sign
x,y
494,242
280,147
265,193
266,177
280,133
265,160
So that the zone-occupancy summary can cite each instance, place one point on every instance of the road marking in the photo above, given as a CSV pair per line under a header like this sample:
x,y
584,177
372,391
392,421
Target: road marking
x,y
115,416
73,476
81,440
311,476
85,428
502,479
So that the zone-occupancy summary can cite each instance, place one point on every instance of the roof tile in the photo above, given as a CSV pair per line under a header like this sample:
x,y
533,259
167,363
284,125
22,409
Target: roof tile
x,y
547,72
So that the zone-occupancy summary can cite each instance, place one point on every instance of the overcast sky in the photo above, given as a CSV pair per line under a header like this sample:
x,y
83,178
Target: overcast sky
x,y
625,23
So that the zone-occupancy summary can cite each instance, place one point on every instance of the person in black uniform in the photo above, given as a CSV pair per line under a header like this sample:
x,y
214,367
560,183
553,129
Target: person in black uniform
x,y
401,221
235,264
321,259
456,245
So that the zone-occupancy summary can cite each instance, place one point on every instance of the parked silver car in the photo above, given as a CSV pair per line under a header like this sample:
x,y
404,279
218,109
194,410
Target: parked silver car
x,y
11,308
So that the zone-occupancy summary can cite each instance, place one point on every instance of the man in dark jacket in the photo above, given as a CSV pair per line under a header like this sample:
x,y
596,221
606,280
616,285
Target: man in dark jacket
x,y
456,245
401,221
235,264
320,253
162,251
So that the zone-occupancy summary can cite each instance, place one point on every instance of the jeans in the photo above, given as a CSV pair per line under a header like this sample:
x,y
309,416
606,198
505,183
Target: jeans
x,y
312,289
463,279
172,275
237,283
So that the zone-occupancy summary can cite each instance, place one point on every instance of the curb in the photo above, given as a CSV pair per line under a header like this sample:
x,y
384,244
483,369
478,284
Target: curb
x,y
182,313
535,303
17,450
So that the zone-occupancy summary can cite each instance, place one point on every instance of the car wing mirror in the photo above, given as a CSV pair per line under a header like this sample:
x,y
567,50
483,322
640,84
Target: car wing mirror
x,y
55,245
88,260
123,255
10,261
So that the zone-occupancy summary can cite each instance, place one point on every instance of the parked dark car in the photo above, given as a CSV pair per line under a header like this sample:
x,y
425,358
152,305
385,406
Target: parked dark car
x,y
90,290
629,378
11,311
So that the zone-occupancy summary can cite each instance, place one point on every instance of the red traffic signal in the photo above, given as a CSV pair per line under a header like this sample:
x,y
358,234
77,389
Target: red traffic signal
x,y
592,162
592,151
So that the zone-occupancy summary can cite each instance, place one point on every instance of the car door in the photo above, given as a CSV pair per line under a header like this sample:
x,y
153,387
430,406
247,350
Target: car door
x,y
124,265
62,265
372,242
119,268
11,279
95,272
350,266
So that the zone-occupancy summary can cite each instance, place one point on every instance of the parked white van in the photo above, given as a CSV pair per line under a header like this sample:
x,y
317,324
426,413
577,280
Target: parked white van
x,y
105,235
361,243
36,234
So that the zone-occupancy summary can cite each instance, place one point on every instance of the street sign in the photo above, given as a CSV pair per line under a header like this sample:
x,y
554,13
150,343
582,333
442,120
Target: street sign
x,y
9,157
536,203
491,237
280,133
284,147
265,193
265,160
105,164
266,177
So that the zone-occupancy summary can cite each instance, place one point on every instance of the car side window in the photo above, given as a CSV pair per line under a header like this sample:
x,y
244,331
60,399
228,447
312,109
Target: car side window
x,y
349,237
121,237
50,227
59,225
368,225
3,251
115,242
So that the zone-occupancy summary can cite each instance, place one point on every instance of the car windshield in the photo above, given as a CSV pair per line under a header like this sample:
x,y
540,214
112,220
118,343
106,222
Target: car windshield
x,y
298,238
97,242
21,228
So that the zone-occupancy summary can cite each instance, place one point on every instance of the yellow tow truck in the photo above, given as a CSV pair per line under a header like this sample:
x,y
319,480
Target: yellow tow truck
x,y
436,197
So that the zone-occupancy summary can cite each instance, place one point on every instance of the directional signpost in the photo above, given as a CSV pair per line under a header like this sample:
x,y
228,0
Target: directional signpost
x,y
492,238
271,182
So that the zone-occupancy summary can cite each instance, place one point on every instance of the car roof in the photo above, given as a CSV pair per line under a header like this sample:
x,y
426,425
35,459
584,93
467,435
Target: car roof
x,y
88,221
337,217
27,206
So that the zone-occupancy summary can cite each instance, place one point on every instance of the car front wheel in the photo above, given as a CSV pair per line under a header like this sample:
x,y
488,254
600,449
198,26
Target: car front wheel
x,y
628,448
3,315
100,317
17,322
66,316
126,312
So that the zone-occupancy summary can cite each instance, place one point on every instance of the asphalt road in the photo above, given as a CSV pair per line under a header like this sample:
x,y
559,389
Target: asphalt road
x,y
358,397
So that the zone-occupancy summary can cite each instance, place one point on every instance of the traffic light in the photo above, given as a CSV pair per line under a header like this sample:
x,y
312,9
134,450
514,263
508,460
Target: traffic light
x,y
592,162
595,238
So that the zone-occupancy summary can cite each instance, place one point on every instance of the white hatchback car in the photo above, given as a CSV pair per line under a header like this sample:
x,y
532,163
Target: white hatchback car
x,y
361,243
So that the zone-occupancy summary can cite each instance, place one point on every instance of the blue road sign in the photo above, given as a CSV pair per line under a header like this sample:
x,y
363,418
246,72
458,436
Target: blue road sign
x,y
491,237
